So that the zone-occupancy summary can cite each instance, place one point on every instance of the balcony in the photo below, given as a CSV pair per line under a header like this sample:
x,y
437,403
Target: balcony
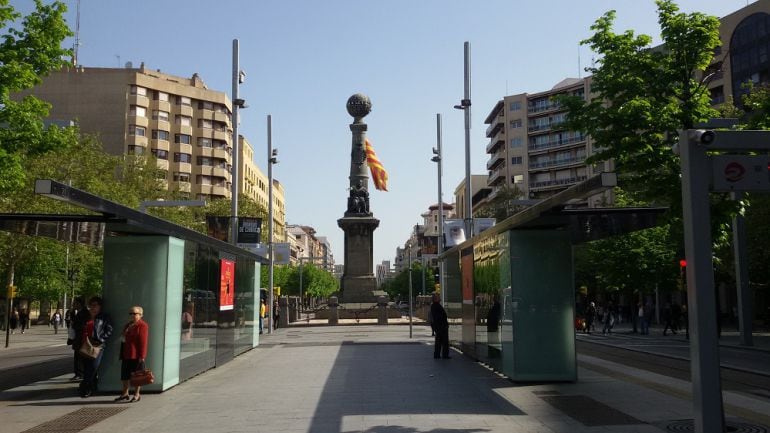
x,y
222,117
492,146
495,160
185,110
182,186
162,105
218,190
555,183
138,120
208,170
537,129
162,164
136,140
536,109
181,167
543,147
552,163
494,128
495,177
160,144
139,100
183,148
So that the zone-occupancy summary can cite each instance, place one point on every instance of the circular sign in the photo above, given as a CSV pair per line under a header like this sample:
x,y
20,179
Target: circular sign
x,y
734,172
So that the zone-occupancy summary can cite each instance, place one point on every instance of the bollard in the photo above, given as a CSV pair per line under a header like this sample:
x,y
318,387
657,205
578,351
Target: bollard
x,y
382,313
334,317
283,302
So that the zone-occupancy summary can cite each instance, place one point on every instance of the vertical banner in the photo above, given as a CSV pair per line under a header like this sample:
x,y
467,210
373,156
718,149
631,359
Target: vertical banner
x,y
481,224
281,253
249,231
454,231
466,264
226,284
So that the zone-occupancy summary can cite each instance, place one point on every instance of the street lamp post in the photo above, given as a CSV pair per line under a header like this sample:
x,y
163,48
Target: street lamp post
x,y
437,159
272,158
465,105
409,247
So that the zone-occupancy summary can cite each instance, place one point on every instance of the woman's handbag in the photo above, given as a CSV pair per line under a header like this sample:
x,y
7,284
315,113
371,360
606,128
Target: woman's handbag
x,y
89,350
142,376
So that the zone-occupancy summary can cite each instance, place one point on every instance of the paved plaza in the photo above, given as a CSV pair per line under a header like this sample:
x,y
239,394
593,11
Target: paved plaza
x,y
373,379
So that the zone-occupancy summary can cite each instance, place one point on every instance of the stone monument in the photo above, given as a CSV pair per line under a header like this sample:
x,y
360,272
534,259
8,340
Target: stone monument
x,y
358,281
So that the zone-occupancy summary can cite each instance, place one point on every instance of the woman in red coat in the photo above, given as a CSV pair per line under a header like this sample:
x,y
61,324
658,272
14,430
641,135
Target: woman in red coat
x,y
133,351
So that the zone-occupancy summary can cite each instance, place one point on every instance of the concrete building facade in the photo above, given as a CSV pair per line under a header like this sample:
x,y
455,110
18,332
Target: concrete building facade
x,y
183,123
254,185
479,191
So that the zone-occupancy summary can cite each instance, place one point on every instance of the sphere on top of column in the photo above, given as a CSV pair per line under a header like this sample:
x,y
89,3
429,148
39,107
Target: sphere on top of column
x,y
359,105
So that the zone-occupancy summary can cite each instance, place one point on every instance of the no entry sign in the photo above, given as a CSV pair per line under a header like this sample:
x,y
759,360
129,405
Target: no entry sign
x,y
740,173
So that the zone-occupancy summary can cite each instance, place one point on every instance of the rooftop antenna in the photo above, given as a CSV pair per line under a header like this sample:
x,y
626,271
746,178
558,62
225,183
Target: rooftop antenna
x,y
77,36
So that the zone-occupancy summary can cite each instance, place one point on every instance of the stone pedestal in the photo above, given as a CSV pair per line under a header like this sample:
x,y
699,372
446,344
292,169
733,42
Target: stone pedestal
x,y
358,281
283,302
333,312
382,310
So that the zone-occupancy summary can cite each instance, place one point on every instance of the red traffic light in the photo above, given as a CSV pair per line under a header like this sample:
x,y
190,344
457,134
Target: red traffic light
x,y
683,263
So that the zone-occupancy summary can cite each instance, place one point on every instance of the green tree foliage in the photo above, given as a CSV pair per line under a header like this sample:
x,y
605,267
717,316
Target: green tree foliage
x,y
398,286
316,282
27,53
643,95
502,205
195,217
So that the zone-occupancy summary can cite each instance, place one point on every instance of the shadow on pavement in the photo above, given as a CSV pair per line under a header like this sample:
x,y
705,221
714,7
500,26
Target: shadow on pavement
x,y
399,429
397,380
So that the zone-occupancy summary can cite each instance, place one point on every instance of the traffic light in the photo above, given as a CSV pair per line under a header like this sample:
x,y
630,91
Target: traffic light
x,y
683,263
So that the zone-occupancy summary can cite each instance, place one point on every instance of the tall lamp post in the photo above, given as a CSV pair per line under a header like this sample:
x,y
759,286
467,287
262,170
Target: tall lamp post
x,y
272,158
238,77
437,159
465,105
409,247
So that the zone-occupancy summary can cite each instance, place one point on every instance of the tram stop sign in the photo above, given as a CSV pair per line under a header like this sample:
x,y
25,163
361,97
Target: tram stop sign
x,y
740,173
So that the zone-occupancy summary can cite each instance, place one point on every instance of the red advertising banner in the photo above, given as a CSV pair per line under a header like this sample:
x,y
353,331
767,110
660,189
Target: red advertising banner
x,y
226,284
466,265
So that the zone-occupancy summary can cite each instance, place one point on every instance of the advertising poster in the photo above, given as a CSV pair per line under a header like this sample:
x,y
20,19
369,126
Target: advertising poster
x,y
481,224
218,227
454,230
281,253
466,264
249,230
226,285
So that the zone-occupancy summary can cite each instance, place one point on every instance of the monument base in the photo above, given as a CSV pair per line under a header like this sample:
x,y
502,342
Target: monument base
x,y
358,284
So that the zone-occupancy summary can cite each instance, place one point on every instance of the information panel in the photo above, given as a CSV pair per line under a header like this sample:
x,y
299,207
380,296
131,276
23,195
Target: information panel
x,y
740,173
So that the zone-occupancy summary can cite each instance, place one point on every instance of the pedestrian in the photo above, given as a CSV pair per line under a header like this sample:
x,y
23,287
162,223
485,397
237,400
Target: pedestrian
x,y
56,321
14,320
640,317
23,319
430,322
668,319
276,314
441,325
609,319
686,320
133,352
78,319
97,330
187,322
493,318
590,316
262,315
676,316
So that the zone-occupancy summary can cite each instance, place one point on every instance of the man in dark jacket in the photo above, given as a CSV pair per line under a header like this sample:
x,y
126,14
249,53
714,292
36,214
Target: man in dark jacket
x,y
441,325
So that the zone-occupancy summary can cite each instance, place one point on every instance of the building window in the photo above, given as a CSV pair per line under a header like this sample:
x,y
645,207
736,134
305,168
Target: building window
x,y
160,115
183,100
519,178
182,138
204,142
183,120
516,123
205,123
516,142
160,154
205,105
135,150
516,160
182,157
181,177
159,134
136,110
515,106
136,130
138,90
160,96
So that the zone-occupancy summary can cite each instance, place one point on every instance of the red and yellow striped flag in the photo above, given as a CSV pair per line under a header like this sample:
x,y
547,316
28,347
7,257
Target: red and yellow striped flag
x,y
379,175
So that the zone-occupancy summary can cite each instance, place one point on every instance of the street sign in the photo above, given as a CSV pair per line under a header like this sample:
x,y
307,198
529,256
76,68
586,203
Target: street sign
x,y
249,230
12,291
740,173
281,252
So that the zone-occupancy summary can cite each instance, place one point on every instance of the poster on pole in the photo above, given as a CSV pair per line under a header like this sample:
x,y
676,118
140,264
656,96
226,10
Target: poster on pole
x,y
249,230
481,224
218,227
454,231
226,285
281,253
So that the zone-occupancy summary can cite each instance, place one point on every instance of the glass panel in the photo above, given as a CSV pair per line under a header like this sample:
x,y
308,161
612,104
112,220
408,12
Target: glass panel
x,y
200,310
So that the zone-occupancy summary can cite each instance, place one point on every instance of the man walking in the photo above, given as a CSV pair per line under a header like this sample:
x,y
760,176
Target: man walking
x,y
668,319
441,325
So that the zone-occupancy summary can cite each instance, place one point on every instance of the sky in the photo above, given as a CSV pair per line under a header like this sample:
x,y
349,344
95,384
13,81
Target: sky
x,y
303,59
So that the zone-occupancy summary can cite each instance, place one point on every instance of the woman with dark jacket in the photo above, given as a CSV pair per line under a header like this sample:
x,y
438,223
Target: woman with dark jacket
x,y
97,330
133,351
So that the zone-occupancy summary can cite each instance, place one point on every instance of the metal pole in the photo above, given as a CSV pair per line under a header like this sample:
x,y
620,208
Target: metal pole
x,y
657,305
422,265
300,278
467,108
11,273
270,219
704,350
742,276
440,211
236,147
410,291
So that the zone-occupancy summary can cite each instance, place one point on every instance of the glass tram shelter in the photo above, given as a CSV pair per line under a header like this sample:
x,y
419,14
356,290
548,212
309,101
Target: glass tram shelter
x,y
521,271
200,295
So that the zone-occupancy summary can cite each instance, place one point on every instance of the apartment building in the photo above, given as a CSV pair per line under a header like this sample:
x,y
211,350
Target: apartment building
x,y
186,125
254,185
744,55
530,150
479,193
311,248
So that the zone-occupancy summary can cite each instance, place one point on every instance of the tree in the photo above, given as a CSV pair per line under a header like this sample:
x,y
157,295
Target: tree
x,y
194,218
643,95
27,54
501,206
398,287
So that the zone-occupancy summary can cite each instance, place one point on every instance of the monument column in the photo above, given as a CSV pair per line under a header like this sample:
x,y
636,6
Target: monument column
x,y
358,281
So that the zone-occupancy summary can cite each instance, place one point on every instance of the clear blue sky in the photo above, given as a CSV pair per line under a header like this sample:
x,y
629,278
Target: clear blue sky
x,y
305,58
